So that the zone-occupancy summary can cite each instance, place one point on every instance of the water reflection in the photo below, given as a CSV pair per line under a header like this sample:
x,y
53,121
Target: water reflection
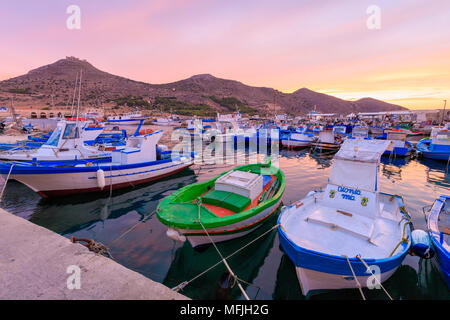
x,y
216,283
437,172
149,251
322,160
72,214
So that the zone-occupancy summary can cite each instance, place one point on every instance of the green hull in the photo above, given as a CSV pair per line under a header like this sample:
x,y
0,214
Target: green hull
x,y
180,210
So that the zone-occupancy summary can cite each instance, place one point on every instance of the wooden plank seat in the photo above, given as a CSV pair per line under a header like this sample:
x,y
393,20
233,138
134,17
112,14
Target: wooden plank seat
x,y
356,225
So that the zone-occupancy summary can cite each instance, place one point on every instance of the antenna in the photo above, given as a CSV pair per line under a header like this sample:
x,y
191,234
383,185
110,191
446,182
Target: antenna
x,y
79,97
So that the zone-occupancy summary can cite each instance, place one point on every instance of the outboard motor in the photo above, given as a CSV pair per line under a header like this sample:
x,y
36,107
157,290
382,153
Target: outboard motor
x,y
421,244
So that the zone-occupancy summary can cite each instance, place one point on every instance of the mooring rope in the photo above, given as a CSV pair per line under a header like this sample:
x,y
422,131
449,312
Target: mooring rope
x,y
6,181
376,279
182,285
220,254
356,279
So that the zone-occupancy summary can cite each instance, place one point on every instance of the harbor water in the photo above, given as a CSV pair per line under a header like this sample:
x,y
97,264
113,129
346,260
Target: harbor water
x,y
266,270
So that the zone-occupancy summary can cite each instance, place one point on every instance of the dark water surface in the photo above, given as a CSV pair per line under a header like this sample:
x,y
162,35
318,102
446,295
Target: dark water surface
x,y
269,273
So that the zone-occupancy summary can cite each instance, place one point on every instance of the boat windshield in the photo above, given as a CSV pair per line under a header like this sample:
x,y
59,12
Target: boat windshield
x,y
71,131
54,138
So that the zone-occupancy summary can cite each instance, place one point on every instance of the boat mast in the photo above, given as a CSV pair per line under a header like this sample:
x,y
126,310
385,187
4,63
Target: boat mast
x,y
79,97
443,112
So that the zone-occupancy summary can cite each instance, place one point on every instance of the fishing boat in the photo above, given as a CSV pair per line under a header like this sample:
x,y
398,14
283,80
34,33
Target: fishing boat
x,y
400,147
66,143
131,118
134,164
438,225
226,207
437,146
360,133
328,141
333,235
298,139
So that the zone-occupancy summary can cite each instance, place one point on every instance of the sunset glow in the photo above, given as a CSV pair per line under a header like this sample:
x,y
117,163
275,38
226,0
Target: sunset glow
x,y
325,45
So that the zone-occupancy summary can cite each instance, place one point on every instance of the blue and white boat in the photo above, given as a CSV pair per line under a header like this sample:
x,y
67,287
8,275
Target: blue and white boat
x,y
132,165
360,133
298,138
401,147
438,225
437,146
333,235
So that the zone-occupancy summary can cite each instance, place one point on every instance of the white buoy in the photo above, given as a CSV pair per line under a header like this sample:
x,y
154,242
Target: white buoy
x,y
175,235
421,244
101,178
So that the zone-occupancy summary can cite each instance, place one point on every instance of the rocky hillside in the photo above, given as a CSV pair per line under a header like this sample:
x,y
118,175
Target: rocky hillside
x,y
53,86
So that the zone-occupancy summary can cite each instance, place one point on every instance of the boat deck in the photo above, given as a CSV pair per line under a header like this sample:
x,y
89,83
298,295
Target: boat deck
x,y
221,211
318,227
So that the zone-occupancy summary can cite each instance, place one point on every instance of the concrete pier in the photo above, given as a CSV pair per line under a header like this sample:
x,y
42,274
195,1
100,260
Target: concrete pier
x,y
36,263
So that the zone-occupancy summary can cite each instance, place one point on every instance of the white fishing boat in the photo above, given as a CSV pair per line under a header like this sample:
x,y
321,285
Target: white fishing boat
x,y
328,141
131,118
298,139
134,164
67,143
334,235
167,122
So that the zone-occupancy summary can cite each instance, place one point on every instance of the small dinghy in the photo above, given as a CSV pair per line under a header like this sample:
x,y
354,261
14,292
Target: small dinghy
x,y
334,235
226,207
134,164
438,224
437,146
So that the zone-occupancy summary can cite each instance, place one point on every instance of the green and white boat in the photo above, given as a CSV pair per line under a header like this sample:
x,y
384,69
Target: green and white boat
x,y
226,207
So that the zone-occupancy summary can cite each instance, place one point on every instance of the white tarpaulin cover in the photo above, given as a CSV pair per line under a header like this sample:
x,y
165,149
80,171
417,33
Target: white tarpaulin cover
x,y
362,150
356,164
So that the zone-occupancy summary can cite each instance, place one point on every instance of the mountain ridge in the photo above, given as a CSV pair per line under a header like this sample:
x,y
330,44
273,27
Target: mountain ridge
x,y
53,85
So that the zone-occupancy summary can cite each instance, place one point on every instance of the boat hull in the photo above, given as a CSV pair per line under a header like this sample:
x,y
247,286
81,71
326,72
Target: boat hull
x,y
398,152
290,143
442,257
199,238
424,148
135,121
52,183
313,282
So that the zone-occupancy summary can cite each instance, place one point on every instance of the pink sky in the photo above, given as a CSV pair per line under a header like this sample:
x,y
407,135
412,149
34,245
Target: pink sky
x,y
322,45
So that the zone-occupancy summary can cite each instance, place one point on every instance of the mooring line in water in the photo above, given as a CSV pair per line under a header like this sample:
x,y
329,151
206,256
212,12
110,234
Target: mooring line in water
x,y
220,254
376,279
6,181
132,228
182,285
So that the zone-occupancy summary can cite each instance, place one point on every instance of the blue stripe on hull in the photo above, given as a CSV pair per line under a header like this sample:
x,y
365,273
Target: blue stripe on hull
x,y
49,169
321,262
